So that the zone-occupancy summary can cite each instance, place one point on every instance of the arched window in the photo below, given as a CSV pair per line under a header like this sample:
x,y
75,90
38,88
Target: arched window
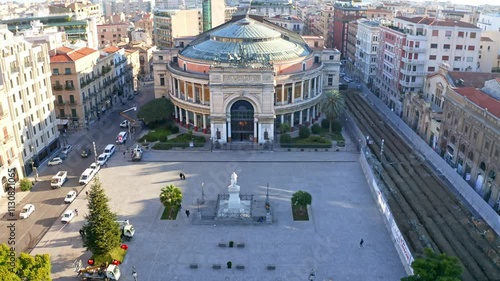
x,y
482,166
470,156
452,140
492,175
445,133
462,148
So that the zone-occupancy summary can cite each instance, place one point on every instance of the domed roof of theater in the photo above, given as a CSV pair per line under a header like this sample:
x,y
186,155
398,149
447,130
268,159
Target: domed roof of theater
x,y
247,40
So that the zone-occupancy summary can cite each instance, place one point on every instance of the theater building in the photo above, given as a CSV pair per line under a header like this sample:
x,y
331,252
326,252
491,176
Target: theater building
x,y
241,80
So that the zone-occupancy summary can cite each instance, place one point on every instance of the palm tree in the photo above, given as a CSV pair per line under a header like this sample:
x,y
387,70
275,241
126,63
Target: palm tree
x,y
171,198
332,105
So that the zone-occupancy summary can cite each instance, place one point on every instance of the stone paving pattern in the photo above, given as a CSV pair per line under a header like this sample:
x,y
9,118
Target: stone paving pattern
x,y
342,212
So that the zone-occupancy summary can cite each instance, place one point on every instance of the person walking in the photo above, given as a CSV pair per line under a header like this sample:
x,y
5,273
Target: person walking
x,y
183,176
76,212
180,176
187,213
87,193
361,243
124,154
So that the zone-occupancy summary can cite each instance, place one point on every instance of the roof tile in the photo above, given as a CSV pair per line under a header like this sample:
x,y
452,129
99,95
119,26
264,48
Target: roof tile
x,y
481,99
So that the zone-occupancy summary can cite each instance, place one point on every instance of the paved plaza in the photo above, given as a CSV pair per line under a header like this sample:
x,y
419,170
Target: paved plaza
x,y
342,213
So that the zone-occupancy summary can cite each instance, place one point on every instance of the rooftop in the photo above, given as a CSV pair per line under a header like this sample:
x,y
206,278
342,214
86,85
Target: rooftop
x,y
481,99
65,54
470,79
486,39
437,22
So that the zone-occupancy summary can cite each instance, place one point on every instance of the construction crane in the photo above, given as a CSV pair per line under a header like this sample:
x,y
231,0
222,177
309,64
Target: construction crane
x,y
131,120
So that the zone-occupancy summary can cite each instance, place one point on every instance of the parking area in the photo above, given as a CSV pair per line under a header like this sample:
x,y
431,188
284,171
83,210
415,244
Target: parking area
x,y
342,213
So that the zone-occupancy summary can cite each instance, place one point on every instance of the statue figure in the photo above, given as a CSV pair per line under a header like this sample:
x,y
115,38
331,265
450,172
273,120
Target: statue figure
x,y
234,179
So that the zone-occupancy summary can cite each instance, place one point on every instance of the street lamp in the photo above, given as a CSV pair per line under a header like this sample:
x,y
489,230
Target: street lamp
x,y
202,193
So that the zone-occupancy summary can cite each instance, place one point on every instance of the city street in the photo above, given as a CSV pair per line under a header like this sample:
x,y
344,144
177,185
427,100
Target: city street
x,y
49,203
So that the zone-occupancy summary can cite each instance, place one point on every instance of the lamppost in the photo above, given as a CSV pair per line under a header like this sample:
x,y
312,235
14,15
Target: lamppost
x,y
202,193
211,144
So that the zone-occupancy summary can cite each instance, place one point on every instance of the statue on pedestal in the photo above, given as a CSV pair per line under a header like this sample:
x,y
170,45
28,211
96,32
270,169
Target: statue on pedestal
x,y
234,193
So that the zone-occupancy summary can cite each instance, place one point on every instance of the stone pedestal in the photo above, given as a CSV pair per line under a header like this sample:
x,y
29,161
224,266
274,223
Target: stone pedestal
x,y
234,197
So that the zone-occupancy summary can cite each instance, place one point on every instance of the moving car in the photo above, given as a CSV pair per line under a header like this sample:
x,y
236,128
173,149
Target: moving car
x,y
59,179
122,138
70,197
68,216
109,150
102,159
87,176
55,161
28,209
86,152
124,124
67,149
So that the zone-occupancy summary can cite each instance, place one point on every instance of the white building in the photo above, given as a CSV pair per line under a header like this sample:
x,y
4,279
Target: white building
x,y
291,23
489,22
29,129
38,34
367,39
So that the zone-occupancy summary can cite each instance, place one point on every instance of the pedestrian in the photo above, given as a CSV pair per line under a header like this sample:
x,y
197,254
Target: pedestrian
x,y
76,212
124,154
187,213
81,232
361,243
87,193
181,175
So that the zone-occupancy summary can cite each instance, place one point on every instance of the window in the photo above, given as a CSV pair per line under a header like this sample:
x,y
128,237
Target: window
x,y
432,57
160,57
71,99
470,59
162,81
445,58
461,34
448,33
434,46
471,48
435,33
460,47
331,58
330,79
431,69
472,35
446,46
55,71
458,58
67,71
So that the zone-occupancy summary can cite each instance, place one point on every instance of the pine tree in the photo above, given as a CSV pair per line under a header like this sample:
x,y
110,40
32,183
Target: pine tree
x,y
101,232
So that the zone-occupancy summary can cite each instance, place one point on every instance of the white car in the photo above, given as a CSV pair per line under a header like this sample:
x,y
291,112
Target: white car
x,y
28,209
95,166
68,216
67,149
101,160
70,197
124,124
55,161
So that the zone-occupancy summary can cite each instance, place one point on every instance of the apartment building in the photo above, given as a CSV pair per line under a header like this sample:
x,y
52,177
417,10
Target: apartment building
x,y
28,123
325,25
413,47
379,14
367,43
489,22
213,13
343,14
488,54
145,57
112,34
350,54
169,24
289,22
88,82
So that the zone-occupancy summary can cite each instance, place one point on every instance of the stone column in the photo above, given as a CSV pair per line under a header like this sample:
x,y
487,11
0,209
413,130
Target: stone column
x,y
203,97
185,89
282,118
300,118
255,124
302,90
309,89
180,116
178,88
291,120
176,114
314,113
308,116
187,119
194,92
293,92
283,94
228,121
204,124
195,121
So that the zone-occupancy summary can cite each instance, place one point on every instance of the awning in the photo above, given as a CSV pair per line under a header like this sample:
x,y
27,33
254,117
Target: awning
x,y
62,122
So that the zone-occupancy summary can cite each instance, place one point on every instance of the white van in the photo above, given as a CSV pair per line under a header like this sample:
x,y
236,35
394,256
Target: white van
x,y
121,138
59,179
109,150
87,176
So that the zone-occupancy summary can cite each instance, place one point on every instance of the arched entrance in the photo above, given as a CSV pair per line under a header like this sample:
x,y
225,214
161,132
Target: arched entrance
x,y
242,121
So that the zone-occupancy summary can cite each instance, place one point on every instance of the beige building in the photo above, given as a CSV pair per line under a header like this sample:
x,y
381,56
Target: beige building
x,y
133,61
145,57
488,54
495,37
170,24
242,79
27,120
112,34
88,82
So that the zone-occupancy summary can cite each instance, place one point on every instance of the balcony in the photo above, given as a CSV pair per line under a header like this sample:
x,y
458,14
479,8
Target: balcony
x,y
57,87
413,73
69,87
411,84
414,50
413,61
14,69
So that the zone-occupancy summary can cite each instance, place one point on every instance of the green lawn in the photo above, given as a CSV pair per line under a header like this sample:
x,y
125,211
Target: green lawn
x,y
333,136
300,214
158,134
115,254
166,212
182,140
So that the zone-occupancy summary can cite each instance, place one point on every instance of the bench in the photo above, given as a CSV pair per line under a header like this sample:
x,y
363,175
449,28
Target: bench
x,y
193,266
240,245
222,245
216,266
271,267
240,266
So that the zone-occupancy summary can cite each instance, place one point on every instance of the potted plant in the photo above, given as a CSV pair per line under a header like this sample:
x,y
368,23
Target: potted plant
x,y
231,244
229,264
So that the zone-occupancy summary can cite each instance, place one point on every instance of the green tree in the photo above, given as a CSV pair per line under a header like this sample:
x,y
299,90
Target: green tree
x,y
301,199
25,267
304,132
171,198
435,267
156,111
284,128
102,232
332,105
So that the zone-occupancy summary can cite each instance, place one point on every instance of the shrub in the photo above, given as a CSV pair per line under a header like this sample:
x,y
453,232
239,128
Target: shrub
x,y
174,129
26,184
325,124
229,264
162,146
231,244
286,138
336,126
304,132
341,143
316,129
284,128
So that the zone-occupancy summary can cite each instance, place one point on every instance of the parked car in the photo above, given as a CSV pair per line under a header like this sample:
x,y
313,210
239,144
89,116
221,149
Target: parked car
x,y
68,216
55,161
86,152
95,166
102,159
70,197
67,149
124,124
28,209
